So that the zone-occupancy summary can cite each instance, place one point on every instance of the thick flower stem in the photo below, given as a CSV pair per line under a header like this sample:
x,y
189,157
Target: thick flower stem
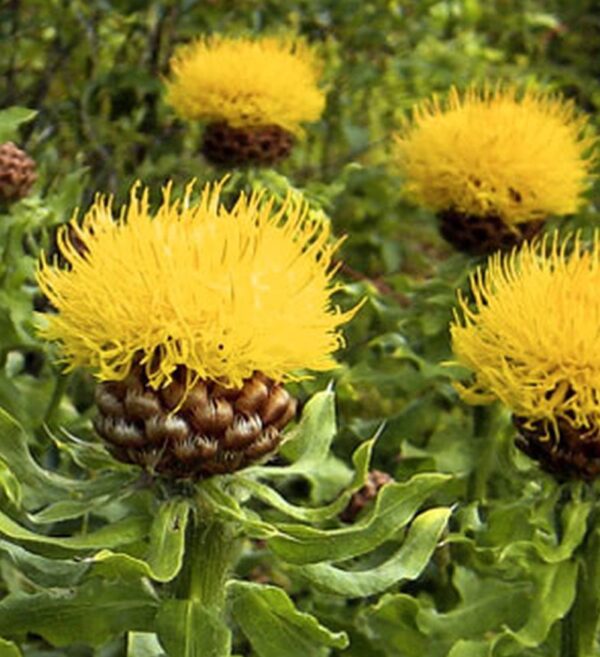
x,y
568,647
211,553
193,620
568,624
488,425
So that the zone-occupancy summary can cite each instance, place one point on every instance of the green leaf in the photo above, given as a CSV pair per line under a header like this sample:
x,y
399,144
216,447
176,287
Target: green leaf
x,y
554,596
10,484
361,460
574,526
10,120
587,604
187,628
406,564
396,504
107,563
9,649
391,625
309,443
487,604
40,486
124,532
275,627
471,649
165,553
68,510
228,508
41,570
167,539
144,644
91,613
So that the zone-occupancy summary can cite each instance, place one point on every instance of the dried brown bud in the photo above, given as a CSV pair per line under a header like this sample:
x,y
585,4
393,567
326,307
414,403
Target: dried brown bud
x,y
17,173
375,480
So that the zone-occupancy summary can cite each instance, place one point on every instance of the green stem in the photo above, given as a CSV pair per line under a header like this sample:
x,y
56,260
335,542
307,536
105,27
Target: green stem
x,y
211,553
214,551
568,643
487,428
568,637
60,387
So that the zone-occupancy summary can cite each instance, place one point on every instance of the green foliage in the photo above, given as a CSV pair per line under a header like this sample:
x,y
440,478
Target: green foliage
x,y
269,619
471,551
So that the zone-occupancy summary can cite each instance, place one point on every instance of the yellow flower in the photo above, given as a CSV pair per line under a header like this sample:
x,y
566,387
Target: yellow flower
x,y
246,82
532,338
222,292
519,157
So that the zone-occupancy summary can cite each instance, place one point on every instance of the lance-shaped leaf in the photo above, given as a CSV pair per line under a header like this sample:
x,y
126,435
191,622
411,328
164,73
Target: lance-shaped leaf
x,y
10,485
92,613
123,532
165,552
406,564
396,504
268,495
307,446
39,486
275,627
41,570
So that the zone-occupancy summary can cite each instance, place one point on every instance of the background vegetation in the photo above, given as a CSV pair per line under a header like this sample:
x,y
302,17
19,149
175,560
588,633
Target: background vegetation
x,y
504,577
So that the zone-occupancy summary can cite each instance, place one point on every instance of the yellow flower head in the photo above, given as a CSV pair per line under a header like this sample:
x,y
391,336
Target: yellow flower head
x,y
495,152
532,338
246,82
222,292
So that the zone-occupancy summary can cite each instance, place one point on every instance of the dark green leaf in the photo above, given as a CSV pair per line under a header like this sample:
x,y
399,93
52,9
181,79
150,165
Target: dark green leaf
x,y
91,613
41,570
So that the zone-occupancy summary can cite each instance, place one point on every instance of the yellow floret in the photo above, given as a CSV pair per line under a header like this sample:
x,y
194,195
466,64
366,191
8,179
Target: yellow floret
x,y
222,292
246,82
532,336
495,152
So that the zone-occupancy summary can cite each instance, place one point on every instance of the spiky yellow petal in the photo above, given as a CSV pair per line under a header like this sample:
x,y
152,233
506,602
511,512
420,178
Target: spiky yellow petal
x,y
222,292
246,82
520,157
532,336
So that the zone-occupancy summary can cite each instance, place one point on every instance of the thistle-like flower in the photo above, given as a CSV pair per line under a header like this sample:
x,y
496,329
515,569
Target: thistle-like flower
x,y
193,318
532,340
494,164
253,93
